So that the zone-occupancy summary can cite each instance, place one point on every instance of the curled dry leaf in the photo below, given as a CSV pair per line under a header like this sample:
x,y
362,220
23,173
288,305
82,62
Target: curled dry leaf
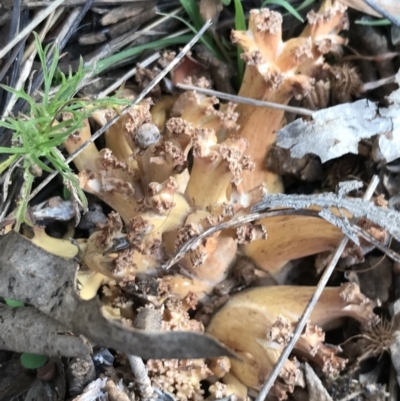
x,y
46,282
336,131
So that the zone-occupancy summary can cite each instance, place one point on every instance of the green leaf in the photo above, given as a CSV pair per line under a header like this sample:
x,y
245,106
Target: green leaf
x,y
285,4
13,151
193,11
20,215
240,25
13,303
33,361
66,194
226,2
21,94
7,163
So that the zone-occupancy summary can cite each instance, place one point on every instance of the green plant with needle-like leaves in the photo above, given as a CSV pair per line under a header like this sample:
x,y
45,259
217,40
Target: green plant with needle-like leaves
x,y
38,133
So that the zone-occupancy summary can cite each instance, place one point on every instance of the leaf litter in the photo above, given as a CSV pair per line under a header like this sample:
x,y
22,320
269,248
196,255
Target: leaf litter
x,y
124,272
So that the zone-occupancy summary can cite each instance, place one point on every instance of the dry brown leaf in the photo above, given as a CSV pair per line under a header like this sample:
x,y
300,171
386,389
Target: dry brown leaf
x,y
391,6
47,282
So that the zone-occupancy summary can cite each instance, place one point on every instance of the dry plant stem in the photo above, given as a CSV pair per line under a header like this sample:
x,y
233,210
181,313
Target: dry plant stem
x,y
126,76
51,20
129,37
142,380
27,67
367,236
376,7
5,17
352,396
11,58
247,100
142,95
24,74
39,18
369,86
310,306
74,3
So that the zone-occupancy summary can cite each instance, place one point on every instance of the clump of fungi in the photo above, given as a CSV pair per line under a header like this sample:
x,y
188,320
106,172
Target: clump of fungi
x,y
160,202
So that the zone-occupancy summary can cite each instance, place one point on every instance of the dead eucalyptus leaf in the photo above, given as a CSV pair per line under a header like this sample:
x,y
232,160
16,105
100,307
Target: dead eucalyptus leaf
x,y
391,6
337,130
29,330
46,281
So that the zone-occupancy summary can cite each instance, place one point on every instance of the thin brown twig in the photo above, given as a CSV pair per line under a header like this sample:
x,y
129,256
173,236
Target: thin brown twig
x,y
310,306
246,100
371,239
127,75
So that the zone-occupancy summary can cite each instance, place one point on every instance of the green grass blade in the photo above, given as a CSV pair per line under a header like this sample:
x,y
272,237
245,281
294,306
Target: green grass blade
x,y
305,4
240,25
379,22
20,215
7,125
13,151
286,5
193,11
7,163
21,94
121,56
42,165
